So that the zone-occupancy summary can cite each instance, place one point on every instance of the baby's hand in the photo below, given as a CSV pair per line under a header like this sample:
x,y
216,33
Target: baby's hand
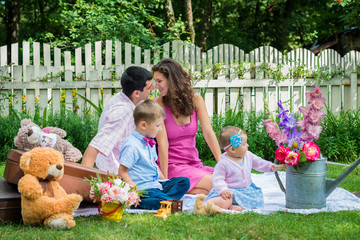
x,y
226,194
275,168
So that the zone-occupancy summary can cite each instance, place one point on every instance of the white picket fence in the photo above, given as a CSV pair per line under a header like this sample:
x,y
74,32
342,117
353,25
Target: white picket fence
x,y
45,74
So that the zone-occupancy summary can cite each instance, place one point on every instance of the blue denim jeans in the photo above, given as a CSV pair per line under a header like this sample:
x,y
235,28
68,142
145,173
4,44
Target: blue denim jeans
x,y
174,188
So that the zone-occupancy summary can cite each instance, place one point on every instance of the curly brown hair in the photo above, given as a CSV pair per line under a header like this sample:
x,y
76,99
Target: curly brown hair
x,y
180,95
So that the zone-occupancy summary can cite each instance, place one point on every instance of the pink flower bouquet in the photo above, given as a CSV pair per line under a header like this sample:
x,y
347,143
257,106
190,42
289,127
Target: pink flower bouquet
x,y
295,139
112,190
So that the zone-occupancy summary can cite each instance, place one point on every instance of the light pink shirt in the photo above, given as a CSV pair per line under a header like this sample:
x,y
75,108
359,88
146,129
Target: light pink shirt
x,y
229,174
115,126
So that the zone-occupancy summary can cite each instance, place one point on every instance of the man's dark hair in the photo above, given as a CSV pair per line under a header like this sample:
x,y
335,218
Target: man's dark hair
x,y
134,78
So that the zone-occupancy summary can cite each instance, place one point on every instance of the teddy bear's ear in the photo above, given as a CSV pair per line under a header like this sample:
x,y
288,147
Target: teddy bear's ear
x,y
25,122
25,161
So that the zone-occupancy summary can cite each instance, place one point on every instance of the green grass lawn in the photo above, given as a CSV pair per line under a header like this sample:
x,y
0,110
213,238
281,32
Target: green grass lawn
x,y
281,225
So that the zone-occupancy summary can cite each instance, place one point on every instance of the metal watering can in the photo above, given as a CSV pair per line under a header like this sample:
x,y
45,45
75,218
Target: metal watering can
x,y
307,186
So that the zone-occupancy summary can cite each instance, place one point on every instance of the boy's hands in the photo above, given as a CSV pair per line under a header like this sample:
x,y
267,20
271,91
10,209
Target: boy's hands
x,y
137,201
226,194
275,168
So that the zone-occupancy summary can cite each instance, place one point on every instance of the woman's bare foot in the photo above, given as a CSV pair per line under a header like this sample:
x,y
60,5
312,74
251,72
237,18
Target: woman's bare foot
x,y
236,208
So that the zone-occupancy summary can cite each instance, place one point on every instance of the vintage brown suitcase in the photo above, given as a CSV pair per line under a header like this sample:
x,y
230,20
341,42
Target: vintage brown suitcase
x,y
72,181
10,202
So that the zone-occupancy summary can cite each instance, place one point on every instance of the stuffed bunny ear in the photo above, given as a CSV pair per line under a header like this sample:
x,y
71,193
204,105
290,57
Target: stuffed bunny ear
x,y
25,122
25,161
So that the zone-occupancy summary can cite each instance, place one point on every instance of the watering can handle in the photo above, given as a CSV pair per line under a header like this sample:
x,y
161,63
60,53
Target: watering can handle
x,y
279,180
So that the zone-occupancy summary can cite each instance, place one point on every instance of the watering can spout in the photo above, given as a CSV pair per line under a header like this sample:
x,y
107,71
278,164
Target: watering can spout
x,y
331,184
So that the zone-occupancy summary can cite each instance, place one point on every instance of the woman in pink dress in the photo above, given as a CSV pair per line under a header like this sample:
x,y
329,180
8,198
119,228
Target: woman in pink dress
x,y
178,155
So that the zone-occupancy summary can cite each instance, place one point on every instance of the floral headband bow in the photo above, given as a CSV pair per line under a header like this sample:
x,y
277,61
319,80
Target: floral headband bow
x,y
235,140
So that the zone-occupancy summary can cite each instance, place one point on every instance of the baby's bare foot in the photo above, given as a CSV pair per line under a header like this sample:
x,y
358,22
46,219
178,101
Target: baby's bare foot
x,y
236,208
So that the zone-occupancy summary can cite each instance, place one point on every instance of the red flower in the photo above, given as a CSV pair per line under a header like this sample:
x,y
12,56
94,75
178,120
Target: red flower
x,y
292,158
312,151
281,153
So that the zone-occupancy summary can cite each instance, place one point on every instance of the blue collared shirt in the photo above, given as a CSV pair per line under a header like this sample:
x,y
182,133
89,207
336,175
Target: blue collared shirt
x,y
140,160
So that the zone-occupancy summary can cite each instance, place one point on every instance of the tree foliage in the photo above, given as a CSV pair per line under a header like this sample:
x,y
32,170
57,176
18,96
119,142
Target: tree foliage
x,y
283,24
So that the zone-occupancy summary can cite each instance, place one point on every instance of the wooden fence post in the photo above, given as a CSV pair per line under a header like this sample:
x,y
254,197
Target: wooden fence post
x,y
353,90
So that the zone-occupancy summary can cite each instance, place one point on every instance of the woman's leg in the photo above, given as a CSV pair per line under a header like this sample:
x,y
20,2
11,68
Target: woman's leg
x,y
203,186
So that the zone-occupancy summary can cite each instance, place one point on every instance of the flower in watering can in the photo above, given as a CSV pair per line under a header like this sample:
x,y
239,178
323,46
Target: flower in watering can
x,y
311,151
295,139
292,158
281,153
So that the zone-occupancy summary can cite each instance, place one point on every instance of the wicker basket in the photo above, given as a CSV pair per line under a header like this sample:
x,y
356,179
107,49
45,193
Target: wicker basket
x,y
112,212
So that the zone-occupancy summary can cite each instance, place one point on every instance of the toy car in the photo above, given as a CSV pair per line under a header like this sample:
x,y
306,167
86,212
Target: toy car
x,y
168,207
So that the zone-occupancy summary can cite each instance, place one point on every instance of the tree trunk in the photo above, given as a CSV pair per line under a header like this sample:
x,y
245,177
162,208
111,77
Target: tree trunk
x,y
170,16
207,20
284,16
189,20
13,21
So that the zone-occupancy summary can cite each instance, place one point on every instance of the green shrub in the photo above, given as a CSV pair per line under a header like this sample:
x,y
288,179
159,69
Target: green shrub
x,y
340,137
80,130
8,130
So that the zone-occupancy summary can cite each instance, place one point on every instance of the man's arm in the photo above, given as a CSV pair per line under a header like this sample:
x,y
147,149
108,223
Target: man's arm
x,y
89,156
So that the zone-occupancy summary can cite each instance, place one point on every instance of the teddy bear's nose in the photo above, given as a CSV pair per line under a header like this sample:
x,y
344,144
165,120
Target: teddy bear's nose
x,y
30,132
59,167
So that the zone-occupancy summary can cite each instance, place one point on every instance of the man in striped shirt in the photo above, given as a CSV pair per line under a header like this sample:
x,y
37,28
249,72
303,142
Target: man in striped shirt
x,y
116,121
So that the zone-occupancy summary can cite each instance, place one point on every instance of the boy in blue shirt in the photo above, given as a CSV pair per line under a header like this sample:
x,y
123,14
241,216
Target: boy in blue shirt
x,y
138,159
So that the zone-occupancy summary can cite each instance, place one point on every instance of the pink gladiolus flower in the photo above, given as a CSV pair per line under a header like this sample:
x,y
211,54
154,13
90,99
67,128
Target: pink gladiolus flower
x,y
316,93
314,131
317,103
273,131
305,136
281,153
267,121
301,124
272,127
292,158
312,151
304,110
315,117
280,139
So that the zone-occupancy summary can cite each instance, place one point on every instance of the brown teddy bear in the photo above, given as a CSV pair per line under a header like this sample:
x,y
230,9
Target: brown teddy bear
x,y
43,200
205,209
31,135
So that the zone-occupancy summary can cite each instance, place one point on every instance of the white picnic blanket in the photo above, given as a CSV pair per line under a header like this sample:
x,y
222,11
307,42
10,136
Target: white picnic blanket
x,y
274,199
